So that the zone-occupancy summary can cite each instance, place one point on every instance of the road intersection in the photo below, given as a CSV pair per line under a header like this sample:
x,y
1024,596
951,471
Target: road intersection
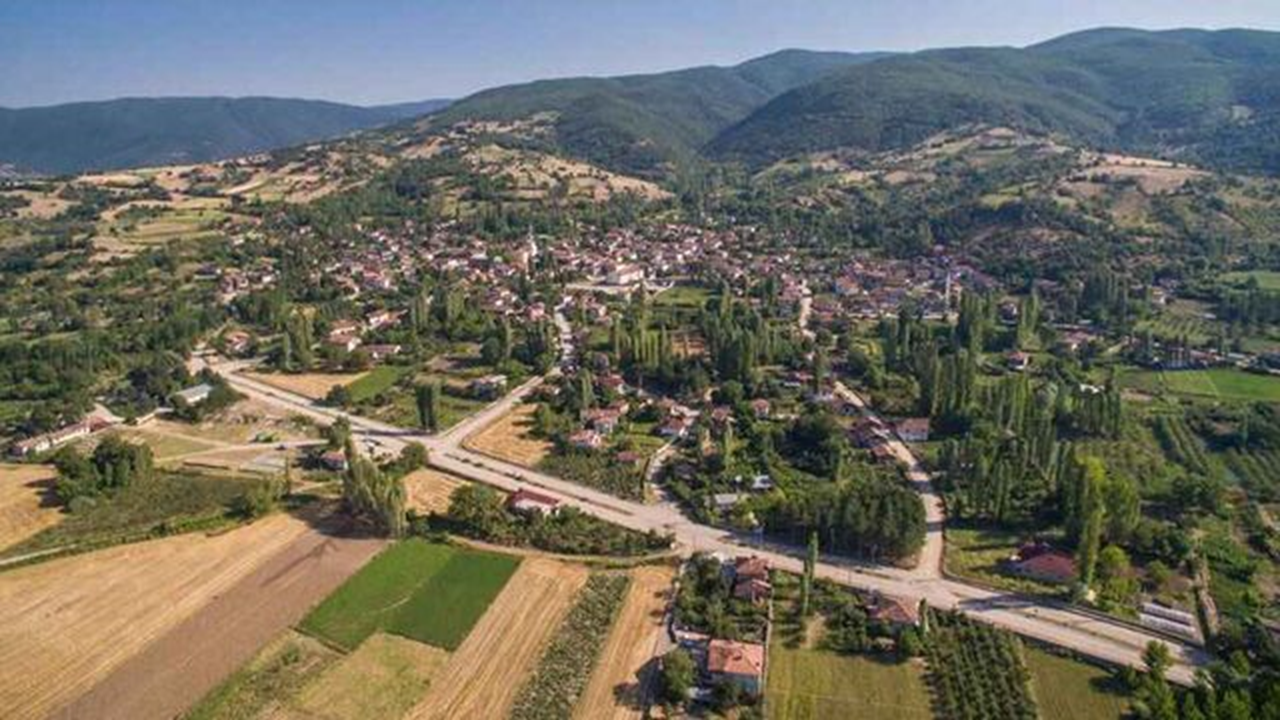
x,y
1087,633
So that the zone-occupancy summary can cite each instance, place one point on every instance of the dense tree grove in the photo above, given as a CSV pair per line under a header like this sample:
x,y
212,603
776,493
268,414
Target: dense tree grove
x,y
114,464
373,495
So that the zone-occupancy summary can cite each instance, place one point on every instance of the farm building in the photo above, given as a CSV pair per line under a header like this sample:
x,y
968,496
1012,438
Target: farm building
x,y
194,395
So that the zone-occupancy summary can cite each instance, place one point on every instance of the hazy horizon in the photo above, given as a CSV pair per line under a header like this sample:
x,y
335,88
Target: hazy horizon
x,y
63,51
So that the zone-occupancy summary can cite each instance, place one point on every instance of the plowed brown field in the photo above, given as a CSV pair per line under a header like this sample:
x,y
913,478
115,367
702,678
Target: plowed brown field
x,y
66,624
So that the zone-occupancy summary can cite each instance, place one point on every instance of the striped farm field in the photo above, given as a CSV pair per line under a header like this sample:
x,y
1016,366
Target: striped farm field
x,y
482,677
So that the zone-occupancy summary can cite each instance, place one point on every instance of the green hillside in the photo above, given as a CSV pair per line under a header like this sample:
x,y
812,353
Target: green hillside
x,y
1212,97
640,123
134,132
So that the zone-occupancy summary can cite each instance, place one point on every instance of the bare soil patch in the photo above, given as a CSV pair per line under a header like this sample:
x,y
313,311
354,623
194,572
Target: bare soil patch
x,y
510,439
429,491
67,624
311,385
25,503
481,679
617,687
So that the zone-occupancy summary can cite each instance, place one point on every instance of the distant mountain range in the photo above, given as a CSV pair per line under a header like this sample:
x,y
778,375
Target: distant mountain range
x,y
644,124
1202,96
134,132
1210,97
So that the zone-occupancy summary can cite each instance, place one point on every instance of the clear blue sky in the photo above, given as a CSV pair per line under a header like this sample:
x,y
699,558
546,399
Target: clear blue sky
x,y
397,50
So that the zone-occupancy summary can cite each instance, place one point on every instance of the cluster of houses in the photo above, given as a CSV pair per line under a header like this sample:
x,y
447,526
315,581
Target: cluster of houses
x,y
722,660
744,663
874,435
870,287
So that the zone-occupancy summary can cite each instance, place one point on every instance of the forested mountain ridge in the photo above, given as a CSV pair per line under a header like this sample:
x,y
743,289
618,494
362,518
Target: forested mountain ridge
x,y
643,123
133,132
1210,97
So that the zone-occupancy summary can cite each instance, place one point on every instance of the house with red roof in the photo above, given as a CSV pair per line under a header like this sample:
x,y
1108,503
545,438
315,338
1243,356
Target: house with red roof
x,y
740,663
894,611
528,502
1039,561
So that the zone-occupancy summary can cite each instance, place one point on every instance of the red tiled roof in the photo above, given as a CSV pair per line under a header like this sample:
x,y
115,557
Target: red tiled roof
x,y
751,567
1053,564
728,657
523,495
895,610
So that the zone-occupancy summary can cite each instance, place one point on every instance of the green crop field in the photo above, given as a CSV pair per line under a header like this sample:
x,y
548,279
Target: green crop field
x,y
372,598
443,611
379,380
812,684
1267,279
1218,383
1069,690
428,592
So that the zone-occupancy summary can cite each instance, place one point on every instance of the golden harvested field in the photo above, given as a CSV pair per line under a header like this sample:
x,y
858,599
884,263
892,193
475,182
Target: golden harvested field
x,y
614,689
509,439
481,679
166,446
311,385
67,624
384,678
23,511
430,490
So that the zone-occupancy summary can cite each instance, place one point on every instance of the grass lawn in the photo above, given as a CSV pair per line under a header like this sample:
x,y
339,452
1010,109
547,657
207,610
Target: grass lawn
x,y
1069,690
453,409
805,684
165,500
377,381
976,553
683,296
1218,383
425,591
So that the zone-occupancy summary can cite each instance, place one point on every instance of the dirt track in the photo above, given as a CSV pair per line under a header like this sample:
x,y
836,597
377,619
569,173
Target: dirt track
x,y
167,672
482,678
631,644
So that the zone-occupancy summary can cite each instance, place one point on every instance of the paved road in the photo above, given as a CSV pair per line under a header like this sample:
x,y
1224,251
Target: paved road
x,y
929,563
1088,634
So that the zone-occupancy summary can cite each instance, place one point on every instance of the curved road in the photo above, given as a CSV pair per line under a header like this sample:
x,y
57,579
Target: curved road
x,y
1086,633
